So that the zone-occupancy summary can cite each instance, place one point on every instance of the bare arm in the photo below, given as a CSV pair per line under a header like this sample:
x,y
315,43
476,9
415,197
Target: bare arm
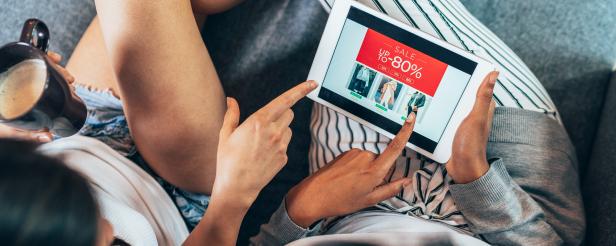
x,y
171,92
249,155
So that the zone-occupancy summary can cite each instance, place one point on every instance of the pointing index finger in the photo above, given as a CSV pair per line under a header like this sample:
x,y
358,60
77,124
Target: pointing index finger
x,y
391,153
279,105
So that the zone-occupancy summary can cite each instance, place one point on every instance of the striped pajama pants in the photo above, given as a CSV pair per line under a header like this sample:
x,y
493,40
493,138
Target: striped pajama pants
x,y
333,133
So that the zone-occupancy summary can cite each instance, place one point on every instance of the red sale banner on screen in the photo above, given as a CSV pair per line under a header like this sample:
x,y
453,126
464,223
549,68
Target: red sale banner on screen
x,y
401,62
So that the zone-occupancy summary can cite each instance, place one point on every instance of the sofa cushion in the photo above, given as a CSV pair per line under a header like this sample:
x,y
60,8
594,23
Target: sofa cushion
x,y
600,184
66,19
571,47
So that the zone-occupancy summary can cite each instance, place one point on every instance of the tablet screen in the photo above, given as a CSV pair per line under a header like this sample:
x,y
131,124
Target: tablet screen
x,y
380,73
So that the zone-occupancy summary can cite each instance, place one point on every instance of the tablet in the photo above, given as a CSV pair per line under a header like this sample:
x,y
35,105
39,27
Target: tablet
x,y
376,70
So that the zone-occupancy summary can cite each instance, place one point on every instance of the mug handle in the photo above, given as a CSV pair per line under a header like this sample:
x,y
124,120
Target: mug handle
x,y
35,33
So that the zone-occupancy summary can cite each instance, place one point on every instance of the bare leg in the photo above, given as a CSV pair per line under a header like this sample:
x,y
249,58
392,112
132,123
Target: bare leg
x,y
166,79
90,62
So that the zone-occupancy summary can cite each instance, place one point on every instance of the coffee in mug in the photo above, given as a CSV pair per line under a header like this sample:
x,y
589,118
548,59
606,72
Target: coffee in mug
x,y
21,86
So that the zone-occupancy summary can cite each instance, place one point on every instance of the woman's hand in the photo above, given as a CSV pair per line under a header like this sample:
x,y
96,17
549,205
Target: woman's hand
x,y
468,158
352,181
250,155
56,59
10,132
37,136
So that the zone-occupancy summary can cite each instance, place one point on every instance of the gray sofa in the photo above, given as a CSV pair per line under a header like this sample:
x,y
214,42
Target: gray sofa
x,y
263,47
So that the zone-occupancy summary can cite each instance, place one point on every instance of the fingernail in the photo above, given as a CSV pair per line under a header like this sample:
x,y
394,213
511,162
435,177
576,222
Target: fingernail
x,y
43,138
54,54
411,117
494,77
312,83
406,183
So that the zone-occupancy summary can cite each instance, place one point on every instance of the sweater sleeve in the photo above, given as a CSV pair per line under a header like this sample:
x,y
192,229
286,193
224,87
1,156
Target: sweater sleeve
x,y
501,212
280,229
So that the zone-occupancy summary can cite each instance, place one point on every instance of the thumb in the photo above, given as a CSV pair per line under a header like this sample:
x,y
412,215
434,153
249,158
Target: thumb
x,y
387,191
232,118
484,95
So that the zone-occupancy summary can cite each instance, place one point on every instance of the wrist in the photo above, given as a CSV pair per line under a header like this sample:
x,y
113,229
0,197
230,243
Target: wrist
x,y
466,170
221,222
301,213
229,204
234,197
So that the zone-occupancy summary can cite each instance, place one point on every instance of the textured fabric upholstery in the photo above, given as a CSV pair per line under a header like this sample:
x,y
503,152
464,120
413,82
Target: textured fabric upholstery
x,y
600,184
66,19
571,47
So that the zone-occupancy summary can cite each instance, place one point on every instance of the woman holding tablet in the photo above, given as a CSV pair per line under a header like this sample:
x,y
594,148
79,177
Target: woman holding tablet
x,y
540,212
482,183
180,123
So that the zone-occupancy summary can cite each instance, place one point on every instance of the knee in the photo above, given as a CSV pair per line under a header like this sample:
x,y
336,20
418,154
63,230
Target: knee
x,y
212,7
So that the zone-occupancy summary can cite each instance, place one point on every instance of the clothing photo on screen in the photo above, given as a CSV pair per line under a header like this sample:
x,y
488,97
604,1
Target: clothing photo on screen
x,y
416,101
387,93
413,101
361,80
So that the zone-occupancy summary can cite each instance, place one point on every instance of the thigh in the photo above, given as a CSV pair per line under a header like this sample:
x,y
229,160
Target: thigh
x,y
171,92
90,62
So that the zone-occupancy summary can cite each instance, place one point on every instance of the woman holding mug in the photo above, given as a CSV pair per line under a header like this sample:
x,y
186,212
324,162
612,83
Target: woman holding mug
x,y
173,119
253,152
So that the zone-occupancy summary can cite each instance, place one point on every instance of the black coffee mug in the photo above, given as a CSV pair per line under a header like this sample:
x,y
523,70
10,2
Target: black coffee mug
x,y
58,109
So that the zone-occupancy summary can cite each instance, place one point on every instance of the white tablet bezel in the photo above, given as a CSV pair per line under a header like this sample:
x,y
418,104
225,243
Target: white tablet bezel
x,y
327,46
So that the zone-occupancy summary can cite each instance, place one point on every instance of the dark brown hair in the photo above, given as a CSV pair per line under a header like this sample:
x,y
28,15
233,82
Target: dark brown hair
x,y
42,201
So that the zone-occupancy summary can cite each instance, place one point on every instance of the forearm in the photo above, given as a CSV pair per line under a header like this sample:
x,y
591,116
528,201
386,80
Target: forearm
x,y
501,212
220,225
171,92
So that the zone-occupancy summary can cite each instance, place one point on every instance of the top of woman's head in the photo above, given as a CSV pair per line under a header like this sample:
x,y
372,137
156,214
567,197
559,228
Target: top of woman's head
x,y
42,201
